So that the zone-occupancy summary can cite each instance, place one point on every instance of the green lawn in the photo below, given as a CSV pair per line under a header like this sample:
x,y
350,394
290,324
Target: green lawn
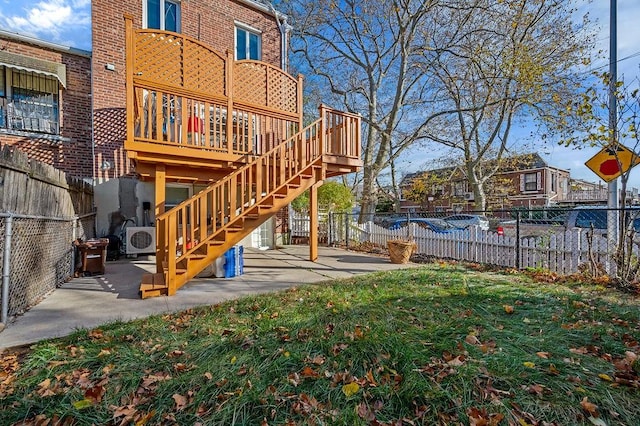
x,y
436,345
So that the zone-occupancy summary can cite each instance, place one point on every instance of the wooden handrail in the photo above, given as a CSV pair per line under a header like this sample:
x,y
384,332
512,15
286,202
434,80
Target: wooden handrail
x,y
216,209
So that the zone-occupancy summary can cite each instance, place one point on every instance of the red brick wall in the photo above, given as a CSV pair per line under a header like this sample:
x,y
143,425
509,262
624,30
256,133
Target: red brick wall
x,y
71,153
210,21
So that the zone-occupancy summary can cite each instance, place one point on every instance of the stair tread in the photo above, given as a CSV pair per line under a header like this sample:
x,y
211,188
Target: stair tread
x,y
144,287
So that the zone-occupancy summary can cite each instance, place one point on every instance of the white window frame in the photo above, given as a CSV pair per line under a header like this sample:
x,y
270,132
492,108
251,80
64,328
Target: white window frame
x,y
249,30
531,182
145,16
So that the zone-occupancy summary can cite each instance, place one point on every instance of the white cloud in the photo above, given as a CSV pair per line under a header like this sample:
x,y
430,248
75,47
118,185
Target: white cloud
x,y
51,20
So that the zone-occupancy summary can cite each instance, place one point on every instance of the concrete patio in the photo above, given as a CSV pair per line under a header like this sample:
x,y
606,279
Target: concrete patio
x,y
91,301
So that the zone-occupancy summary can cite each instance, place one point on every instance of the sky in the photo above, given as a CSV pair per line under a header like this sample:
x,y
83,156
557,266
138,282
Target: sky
x,y
68,22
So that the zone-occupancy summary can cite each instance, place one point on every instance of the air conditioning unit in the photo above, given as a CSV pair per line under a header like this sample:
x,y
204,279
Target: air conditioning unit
x,y
468,196
141,240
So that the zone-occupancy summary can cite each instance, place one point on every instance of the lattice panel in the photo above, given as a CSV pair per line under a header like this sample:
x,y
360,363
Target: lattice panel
x,y
283,91
204,69
250,83
159,58
41,259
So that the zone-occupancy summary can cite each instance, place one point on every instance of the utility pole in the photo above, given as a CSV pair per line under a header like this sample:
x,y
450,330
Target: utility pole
x,y
612,186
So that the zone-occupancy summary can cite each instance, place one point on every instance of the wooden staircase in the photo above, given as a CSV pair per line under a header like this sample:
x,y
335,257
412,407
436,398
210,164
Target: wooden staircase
x,y
195,233
197,116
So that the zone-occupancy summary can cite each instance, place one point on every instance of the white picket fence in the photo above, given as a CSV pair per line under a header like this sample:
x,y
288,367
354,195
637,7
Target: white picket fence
x,y
560,252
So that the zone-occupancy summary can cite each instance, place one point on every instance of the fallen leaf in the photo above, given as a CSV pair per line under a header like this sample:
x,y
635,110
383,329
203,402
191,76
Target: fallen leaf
x,y
544,355
508,309
208,375
589,407
605,377
180,400
364,412
83,403
357,332
457,361
96,334
294,379
309,372
472,340
529,364
580,351
350,389
317,360
144,420
536,389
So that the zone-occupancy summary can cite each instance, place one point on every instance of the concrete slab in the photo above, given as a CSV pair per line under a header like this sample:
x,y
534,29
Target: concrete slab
x,y
91,301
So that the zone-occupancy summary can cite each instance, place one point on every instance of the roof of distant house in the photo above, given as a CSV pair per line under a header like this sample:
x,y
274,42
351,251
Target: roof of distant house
x,y
518,162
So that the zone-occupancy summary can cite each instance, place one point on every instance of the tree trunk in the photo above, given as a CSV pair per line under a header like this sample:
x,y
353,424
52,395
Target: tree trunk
x,y
369,200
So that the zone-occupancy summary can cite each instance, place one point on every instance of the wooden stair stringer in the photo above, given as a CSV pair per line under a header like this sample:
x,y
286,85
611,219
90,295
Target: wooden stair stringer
x,y
193,264
196,265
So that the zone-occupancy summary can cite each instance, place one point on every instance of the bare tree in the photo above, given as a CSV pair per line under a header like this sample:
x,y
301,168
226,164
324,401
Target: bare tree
x,y
457,72
512,61
368,52
594,129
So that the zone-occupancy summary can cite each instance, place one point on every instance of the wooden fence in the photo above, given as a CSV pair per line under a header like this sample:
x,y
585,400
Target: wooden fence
x,y
47,211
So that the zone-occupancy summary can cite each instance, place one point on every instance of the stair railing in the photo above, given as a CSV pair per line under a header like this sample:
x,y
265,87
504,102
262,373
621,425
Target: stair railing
x,y
191,225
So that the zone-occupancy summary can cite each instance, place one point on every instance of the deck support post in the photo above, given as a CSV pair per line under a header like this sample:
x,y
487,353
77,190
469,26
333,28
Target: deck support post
x,y
313,222
160,196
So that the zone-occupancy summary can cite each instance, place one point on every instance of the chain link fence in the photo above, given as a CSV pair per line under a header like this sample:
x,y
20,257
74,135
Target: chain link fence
x,y
564,240
41,255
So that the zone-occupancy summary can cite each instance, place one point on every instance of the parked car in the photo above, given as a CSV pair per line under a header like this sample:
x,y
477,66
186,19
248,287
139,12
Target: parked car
x,y
434,224
581,217
466,220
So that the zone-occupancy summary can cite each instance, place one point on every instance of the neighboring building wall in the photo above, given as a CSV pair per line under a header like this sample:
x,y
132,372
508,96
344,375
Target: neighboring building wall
x,y
70,151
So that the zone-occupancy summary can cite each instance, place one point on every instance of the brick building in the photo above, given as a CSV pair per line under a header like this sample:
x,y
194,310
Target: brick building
x,y
67,107
248,29
525,181
45,102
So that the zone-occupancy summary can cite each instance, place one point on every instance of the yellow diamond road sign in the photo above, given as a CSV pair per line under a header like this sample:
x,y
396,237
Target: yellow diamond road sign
x,y
612,161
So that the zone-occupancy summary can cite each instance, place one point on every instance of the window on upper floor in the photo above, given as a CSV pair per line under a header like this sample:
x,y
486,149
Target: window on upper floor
x,y
530,181
29,101
248,43
162,15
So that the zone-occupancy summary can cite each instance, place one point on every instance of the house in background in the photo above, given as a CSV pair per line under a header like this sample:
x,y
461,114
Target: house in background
x,y
525,181
181,104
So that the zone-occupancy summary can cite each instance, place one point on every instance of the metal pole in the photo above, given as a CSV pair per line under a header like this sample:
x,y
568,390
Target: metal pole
x,y
346,230
6,269
612,187
517,239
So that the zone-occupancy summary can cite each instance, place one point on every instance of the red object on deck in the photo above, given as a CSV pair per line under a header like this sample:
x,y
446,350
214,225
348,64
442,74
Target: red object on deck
x,y
195,125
